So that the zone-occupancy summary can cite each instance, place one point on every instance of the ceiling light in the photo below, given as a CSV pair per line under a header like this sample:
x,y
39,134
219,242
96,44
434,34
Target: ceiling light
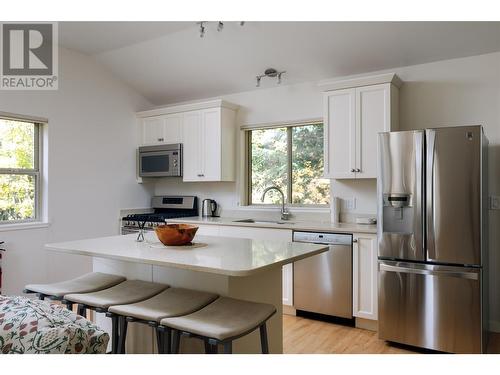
x,y
202,28
220,27
271,73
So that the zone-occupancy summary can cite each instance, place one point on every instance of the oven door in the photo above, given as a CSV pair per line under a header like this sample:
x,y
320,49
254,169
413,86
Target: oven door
x,y
159,164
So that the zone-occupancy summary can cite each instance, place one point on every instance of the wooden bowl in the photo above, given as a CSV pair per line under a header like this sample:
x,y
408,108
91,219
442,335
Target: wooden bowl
x,y
176,234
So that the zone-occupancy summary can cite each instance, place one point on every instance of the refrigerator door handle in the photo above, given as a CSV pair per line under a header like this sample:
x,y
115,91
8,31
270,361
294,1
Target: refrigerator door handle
x,y
431,144
419,205
440,272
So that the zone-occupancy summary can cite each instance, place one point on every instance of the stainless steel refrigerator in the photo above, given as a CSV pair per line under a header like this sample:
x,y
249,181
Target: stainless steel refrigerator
x,y
432,234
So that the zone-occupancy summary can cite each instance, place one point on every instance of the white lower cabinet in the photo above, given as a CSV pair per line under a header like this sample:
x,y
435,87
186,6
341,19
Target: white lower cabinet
x,y
365,280
267,234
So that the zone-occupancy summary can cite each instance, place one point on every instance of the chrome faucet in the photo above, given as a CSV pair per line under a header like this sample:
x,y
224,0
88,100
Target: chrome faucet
x,y
285,215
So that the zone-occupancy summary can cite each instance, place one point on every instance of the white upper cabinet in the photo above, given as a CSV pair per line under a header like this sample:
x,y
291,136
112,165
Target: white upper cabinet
x,y
207,131
353,117
191,152
340,109
211,145
209,138
172,132
162,129
152,131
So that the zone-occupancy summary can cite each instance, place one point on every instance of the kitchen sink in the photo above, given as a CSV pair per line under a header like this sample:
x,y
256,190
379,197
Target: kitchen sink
x,y
254,221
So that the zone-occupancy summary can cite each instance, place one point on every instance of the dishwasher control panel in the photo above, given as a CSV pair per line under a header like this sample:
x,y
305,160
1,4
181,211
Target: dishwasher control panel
x,y
324,238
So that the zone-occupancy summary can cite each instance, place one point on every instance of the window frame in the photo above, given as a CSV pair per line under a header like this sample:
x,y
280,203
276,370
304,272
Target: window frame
x,y
248,162
36,171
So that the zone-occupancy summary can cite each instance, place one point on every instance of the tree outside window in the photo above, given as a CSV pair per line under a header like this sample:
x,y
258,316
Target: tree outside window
x,y
19,170
291,158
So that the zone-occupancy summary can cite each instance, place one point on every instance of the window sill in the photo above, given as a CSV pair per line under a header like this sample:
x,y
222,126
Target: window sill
x,y
24,226
290,208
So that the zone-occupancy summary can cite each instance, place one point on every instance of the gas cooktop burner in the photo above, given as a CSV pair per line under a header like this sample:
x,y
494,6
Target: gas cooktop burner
x,y
165,208
156,217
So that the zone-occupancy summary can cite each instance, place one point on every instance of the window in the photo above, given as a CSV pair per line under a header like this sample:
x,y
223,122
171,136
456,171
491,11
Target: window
x,y
291,158
19,170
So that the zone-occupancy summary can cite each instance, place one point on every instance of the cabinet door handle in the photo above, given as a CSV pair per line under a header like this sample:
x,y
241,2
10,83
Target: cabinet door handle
x,y
201,175
358,170
353,170
160,139
354,241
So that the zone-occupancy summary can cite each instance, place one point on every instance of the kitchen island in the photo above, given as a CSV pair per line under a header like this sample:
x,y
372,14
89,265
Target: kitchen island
x,y
234,267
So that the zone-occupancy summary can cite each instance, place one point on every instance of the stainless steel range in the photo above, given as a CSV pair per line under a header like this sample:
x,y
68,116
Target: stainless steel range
x,y
164,207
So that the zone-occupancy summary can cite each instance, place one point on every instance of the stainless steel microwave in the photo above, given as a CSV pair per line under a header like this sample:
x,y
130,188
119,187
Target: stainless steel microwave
x,y
160,161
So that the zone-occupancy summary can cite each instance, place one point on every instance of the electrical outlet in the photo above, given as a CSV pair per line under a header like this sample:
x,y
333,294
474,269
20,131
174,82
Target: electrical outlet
x,y
494,202
349,204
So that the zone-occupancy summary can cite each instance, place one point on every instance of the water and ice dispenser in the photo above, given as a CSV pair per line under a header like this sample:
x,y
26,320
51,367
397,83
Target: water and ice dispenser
x,y
398,213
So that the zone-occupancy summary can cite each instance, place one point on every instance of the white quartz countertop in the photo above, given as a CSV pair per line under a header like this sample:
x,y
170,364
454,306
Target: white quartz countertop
x,y
225,256
292,224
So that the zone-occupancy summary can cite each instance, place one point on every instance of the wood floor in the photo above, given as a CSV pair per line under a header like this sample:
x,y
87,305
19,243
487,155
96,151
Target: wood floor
x,y
303,336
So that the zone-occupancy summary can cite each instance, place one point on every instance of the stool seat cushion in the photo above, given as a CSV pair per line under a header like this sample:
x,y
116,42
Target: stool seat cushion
x,y
224,319
129,291
169,303
89,282
40,327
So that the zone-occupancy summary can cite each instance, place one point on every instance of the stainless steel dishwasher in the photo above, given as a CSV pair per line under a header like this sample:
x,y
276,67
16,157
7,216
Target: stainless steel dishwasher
x,y
323,283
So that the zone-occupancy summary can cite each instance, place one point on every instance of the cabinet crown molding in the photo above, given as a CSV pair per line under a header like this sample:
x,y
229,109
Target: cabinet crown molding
x,y
336,84
176,108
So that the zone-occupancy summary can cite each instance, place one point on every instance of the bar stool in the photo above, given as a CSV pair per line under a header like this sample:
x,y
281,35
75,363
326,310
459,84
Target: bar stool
x,y
222,322
169,303
90,282
130,291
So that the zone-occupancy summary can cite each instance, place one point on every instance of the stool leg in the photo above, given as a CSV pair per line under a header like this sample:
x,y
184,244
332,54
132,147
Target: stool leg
x,y
207,347
228,347
69,305
81,310
122,337
263,339
168,341
114,334
159,341
176,339
214,349
40,296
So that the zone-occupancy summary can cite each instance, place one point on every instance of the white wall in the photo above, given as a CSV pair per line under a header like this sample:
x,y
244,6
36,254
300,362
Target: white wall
x,y
91,149
452,92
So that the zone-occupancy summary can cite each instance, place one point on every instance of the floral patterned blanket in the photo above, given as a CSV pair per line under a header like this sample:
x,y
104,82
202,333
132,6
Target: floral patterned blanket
x,y
39,327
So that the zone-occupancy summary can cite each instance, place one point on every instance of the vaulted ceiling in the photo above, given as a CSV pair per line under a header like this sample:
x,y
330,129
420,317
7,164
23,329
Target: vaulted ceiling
x,y
168,62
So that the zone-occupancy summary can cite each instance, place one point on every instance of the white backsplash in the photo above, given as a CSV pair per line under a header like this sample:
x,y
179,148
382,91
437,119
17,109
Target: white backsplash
x,y
226,195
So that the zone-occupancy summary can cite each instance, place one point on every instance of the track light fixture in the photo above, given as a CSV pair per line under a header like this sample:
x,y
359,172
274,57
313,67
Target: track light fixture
x,y
271,73
202,28
220,26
